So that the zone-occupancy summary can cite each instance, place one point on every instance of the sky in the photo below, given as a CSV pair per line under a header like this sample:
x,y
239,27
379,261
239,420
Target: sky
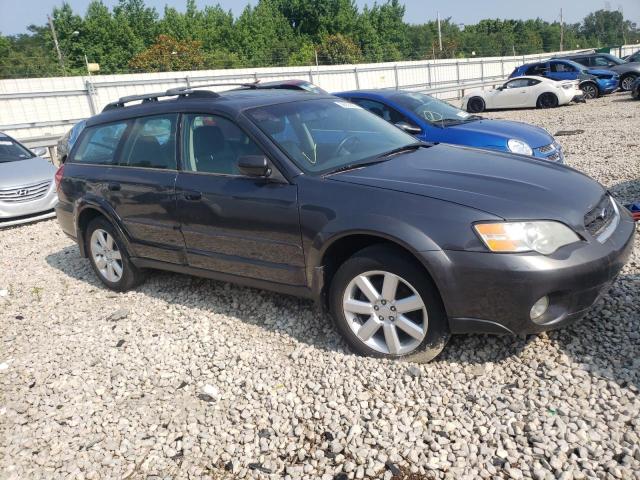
x,y
18,14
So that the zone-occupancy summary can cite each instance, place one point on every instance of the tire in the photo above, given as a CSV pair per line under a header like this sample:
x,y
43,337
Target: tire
x,y
108,256
475,105
547,100
422,312
627,81
590,90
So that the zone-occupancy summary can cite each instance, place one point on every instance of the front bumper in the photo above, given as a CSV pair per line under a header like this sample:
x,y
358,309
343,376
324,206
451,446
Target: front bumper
x,y
493,293
17,212
608,86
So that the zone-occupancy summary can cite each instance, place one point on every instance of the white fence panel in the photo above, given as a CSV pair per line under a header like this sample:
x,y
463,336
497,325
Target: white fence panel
x,y
37,110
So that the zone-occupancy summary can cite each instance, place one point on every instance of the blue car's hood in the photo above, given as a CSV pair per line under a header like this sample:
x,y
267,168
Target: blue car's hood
x,y
490,134
600,72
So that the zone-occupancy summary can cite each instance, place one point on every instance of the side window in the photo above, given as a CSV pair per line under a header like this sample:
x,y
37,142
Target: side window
x,y
151,143
532,82
600,61
99,144
518,83
214,144
586,61
538,69
383,111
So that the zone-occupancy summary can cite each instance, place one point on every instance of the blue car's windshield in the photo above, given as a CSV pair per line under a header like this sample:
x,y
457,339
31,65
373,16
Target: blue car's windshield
x,y
324,135
431,109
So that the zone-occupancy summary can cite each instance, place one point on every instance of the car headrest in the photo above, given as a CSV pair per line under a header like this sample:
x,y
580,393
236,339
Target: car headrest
x,y
207,139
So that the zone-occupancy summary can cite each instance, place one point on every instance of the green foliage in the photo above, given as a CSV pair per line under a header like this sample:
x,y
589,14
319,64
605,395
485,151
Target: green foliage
x,y
133,37
338,49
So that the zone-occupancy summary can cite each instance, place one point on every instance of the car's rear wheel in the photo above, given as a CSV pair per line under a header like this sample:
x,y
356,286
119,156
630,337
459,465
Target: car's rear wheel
x,y
109,257
590,90
475,105
386,306
547,100
627,81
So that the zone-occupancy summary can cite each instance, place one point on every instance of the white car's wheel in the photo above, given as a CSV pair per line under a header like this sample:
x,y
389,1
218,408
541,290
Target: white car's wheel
x,y
475,105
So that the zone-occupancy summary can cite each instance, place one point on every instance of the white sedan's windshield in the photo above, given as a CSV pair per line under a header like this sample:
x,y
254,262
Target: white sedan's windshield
x,y
324,135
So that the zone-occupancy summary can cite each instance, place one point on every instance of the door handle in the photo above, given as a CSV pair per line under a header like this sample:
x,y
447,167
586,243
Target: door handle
x,y
114,186
193,196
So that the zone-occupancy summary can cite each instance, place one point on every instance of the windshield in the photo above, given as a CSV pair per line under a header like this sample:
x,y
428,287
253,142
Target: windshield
x,y
614,59
326,135
431,109
577,66
11,151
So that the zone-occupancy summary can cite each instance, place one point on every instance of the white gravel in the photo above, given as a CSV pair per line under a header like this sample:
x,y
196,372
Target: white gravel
x,y
190,378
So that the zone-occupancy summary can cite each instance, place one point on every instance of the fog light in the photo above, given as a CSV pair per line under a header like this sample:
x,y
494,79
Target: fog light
x,y
539,308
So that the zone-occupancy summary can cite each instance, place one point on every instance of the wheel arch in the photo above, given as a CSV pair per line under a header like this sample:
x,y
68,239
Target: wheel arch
x,y
89,210
339,248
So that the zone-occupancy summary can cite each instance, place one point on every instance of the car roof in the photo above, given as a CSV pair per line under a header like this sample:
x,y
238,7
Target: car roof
x,y
231,102
532,77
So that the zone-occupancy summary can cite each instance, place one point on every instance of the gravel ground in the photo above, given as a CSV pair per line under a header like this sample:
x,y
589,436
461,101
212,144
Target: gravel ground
x,y
190,378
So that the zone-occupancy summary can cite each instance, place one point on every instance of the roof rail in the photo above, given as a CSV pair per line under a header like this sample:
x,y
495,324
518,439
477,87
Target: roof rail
x,y
175,92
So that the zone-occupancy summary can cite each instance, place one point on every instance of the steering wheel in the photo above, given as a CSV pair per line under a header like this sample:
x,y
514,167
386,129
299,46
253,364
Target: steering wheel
x,y
432,116
354,139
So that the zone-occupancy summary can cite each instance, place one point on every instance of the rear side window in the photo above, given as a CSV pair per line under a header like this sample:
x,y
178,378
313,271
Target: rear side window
x,y
582,61
381,110
151,143
537,69
562,67
99,144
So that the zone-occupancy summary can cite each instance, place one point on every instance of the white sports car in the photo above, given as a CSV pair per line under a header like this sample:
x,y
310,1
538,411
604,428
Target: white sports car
x,y
524,92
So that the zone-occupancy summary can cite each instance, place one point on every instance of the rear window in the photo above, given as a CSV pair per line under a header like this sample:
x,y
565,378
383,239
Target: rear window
x,y
151,143
11,151
99,144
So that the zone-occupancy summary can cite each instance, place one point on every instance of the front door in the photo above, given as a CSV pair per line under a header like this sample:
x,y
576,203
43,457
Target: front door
x,y
513,94
232,223
141,188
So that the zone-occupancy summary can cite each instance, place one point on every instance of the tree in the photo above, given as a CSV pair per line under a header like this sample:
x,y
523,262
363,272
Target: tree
x,y
168,55
607,28
338,49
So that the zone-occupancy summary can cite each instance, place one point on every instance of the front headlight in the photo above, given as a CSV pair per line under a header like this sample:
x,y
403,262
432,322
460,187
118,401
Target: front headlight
x,y
544,237
518,146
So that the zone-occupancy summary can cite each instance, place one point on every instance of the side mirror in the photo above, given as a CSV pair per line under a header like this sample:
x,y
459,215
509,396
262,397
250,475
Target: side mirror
x,y
254,166
500,87
412,129
39,151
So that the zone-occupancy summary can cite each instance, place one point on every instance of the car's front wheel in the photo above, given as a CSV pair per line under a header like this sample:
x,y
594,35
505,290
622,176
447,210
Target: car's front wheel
x,y
627,82
475,105
386,306
590,90
109,257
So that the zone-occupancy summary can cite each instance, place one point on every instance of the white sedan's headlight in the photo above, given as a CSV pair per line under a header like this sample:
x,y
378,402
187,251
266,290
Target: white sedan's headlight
x,y
518,146
544,237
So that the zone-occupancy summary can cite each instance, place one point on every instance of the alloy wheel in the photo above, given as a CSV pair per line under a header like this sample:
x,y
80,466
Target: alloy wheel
x,y
589,91
385,312
106,255
627,82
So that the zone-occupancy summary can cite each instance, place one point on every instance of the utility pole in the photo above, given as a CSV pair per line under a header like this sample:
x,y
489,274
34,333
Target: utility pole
x,y
439,32
55,43
561,31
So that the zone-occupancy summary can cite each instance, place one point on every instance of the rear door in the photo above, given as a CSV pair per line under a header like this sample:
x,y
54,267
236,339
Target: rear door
x,y
141,187
232,223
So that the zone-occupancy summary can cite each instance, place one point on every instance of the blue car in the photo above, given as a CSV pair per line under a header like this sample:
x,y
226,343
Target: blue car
x,y
593,83
433,120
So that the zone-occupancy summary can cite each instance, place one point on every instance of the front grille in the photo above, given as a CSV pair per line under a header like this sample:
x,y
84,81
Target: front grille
x,y
554,157
604,76
26,193
600,216
547,148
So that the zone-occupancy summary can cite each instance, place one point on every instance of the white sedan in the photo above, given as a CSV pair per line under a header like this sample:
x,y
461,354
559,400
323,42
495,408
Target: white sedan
x,y
524,92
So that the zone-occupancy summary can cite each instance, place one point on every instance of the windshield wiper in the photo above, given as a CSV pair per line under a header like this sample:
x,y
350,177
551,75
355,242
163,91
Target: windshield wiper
x,y
405,148
351,166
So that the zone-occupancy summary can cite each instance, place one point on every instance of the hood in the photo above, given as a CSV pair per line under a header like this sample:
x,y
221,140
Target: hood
x,y
494,134
593,71
627,67
513,187
25,172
